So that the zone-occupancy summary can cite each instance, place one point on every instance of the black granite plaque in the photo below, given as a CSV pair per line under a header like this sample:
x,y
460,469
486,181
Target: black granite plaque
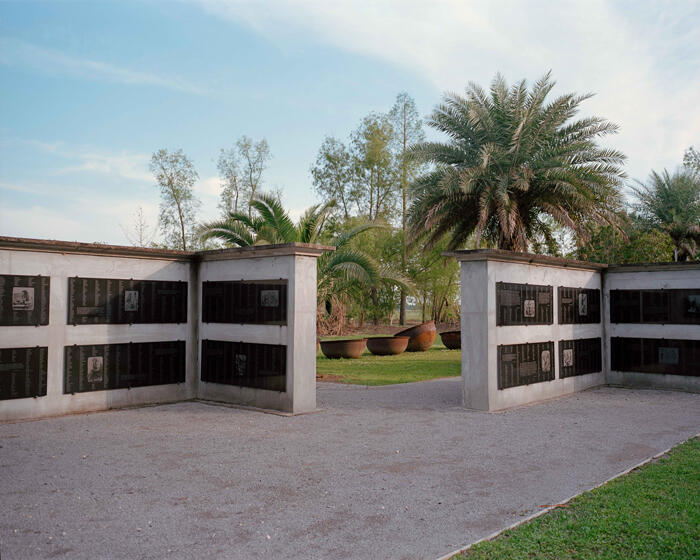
x,y
578,305
24,300
524,364
94,301
579,357
261,366
523,304
262,302
677,307
655,355
23,372
100,367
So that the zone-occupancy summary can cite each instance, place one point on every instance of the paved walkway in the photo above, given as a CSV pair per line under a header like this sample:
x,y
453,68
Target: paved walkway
x,y
391,472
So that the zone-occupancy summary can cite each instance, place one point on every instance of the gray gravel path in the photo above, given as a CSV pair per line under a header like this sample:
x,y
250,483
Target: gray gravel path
x,y
390,472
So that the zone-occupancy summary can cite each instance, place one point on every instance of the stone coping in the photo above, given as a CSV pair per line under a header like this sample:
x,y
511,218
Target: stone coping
x,y
99,249
531,258
646,267
525,258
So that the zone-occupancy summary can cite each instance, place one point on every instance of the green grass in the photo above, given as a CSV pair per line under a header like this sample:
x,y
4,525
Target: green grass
x,y
369,369
653,512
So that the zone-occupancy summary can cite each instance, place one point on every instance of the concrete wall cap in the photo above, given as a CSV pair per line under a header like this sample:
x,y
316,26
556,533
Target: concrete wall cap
x,y
526,258
647,267
100,249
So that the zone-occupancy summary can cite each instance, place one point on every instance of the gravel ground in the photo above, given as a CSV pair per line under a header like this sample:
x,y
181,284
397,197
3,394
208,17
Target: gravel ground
x,y
386,472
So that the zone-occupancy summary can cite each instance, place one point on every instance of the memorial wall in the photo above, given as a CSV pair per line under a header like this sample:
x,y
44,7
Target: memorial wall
x,y
536,327
532,328
653,323
89,327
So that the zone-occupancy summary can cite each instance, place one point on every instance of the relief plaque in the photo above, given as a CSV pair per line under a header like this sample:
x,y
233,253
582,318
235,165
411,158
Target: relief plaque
x,y
24,300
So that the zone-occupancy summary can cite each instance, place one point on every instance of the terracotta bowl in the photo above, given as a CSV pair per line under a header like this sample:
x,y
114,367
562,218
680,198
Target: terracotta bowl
x,y
422,336
452,339
347,348
387,345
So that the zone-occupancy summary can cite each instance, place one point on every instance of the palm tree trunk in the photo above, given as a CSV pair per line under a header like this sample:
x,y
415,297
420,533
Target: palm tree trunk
x,y
375,303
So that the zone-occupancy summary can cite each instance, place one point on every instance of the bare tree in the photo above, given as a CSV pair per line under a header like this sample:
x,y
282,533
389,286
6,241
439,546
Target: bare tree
x,y
176,177
140,234
229,173
254,159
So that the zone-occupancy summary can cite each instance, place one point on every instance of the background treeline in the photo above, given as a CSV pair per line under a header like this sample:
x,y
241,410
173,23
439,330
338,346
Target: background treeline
x,y
514,170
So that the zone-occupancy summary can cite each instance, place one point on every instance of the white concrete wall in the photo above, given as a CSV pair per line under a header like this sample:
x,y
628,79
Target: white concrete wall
x,y
654,279
299,335
481,337
58,334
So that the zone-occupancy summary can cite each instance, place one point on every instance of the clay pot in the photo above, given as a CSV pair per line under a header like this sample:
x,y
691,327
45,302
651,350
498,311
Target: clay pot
x,y
387,345
452,339
347,348
421,336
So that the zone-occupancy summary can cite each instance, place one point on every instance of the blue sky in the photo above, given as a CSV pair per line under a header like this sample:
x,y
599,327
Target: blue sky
x,y
89,90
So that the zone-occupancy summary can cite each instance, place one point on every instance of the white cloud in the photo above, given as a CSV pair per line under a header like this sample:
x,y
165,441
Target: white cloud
x,y
124,165
13,52
642,60
210,186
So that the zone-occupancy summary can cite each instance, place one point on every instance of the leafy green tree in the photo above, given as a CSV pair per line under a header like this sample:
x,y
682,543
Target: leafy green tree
x,y
436,283
672,203
374,167
631,242
379,301
333,174
175,175
408,129
691,159
513,158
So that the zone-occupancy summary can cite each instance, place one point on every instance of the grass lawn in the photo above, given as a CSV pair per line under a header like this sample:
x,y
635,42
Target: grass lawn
x,y
388,370
653,512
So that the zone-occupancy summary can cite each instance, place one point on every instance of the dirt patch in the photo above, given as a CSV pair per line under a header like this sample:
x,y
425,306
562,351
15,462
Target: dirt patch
x,y
330,378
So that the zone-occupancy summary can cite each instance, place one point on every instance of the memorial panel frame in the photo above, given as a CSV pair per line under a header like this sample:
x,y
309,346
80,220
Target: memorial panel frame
x,y
24,300
23,372
104,367
244,364
578,305
525,364
94,301
258,302
655,355
661,307
580,356
523,304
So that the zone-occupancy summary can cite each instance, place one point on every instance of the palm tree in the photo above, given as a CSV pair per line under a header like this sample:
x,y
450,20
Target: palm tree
x,y
514,168
672,203
272,224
